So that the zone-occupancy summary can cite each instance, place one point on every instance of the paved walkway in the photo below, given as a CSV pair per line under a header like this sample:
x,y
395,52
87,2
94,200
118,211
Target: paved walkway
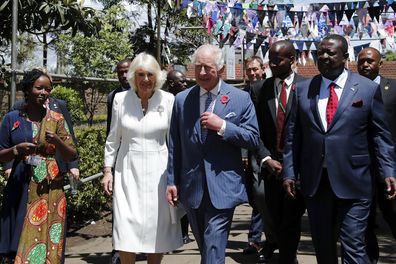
x,y
83,247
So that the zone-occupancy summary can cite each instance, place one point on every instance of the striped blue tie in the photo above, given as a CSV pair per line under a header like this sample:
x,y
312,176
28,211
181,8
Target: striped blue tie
x,y
208,101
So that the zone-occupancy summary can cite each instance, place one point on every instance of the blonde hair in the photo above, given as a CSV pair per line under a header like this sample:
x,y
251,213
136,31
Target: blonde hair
x,y
147,62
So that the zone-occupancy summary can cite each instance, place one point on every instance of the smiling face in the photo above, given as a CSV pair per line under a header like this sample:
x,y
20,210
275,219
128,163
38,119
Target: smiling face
x,y
331,58
206,73
145,82
369,63
254,71
40,91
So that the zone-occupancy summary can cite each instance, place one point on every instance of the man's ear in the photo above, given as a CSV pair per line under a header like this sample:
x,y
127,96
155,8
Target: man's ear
x,y
221,70
380,64
346,55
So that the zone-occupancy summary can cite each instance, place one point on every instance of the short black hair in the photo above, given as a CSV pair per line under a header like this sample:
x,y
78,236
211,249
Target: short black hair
x,y
344,43
128,60
288,45
29,78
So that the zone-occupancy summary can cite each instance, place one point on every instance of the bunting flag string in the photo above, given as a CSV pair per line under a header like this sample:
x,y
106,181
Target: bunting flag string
x,y
258,23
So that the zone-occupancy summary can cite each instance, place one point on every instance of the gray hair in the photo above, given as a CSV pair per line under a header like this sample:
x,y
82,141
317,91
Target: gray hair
x,y
216,51
145,61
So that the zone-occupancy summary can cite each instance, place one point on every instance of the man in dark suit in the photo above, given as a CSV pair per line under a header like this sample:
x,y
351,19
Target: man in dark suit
x,y
369,64
283,213
254,68
211,122
122,70
175,82
337,119
59,106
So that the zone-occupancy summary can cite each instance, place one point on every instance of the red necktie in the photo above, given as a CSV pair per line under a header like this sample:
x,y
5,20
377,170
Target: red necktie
x,y
331,104
280,117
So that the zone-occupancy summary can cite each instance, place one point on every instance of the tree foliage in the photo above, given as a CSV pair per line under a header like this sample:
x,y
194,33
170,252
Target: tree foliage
x,y
41,18
97,55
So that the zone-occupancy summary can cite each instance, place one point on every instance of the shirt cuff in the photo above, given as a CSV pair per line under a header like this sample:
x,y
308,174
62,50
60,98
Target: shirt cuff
x,y
264,160
222,129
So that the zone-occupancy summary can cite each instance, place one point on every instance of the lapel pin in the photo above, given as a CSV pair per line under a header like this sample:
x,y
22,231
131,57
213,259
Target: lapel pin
x,y
386,87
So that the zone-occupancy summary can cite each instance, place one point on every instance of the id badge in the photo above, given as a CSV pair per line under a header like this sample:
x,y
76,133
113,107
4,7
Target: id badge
x,y
33,160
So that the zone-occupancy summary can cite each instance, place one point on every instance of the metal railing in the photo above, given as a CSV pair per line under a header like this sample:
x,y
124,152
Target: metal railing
x,y
84,180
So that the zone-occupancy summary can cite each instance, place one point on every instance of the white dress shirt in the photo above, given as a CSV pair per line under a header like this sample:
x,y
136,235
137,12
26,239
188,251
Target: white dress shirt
x,y
203,94
325,92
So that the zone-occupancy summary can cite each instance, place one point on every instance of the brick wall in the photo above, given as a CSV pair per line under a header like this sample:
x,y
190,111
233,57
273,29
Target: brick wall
x,y
388,70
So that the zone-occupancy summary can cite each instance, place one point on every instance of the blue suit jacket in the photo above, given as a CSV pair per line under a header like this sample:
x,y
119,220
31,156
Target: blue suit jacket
x,y
218,159
345,146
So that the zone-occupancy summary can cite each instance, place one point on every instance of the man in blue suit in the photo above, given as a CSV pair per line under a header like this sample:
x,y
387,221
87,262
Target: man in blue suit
x,y
210,124
337,122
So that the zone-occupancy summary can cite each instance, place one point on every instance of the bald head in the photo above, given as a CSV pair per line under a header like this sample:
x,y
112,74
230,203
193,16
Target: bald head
x,y
282,55
369,63
176,82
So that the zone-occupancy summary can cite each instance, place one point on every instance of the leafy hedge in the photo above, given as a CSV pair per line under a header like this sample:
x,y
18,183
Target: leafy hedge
x,y
90,202
74,103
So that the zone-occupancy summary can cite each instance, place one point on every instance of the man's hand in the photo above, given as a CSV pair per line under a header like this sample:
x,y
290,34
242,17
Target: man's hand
x,y
390,183
107,183
75,173
7,173
171,195
273,166
290,187
211,121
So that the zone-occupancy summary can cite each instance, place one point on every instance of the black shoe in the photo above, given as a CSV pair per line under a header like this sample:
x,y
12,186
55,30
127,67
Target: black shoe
x,y
187,239
266,252
252,248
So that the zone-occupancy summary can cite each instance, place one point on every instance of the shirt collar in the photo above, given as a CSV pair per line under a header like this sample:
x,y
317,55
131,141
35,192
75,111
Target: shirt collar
x,y
215,91
289,80
377,79
340,81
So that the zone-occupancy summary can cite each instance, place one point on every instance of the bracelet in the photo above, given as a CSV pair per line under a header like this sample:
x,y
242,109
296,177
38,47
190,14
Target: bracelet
x,y
106,170
15,151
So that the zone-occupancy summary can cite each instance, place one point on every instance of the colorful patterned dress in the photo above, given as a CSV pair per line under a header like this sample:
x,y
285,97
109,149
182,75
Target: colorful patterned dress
x,y
32,219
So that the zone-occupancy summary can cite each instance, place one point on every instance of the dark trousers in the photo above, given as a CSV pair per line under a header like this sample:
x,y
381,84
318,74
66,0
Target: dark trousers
x,y
329,216
388,209
285,213
211,228
255,227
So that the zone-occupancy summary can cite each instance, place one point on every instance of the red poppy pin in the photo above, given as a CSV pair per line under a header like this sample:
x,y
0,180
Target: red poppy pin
x,y
15,125
293,87
224,99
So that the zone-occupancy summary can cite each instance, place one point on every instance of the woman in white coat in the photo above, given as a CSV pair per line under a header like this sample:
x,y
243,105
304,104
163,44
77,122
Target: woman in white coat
x,y
137,153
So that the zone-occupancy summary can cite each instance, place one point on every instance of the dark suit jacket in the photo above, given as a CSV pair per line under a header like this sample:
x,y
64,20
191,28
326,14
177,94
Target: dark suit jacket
x,y
59,106
266,114
388,91
110,99
217,160
345,146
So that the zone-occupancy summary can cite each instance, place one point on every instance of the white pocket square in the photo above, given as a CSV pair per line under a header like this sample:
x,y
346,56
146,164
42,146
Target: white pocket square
x,y
229,115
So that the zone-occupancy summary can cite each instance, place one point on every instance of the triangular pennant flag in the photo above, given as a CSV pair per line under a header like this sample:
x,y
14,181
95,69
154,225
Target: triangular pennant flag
x,y
259,41
339,15
349,13
249,37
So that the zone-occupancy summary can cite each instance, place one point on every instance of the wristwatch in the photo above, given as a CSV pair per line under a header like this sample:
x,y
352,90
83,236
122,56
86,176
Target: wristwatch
x,y
15,151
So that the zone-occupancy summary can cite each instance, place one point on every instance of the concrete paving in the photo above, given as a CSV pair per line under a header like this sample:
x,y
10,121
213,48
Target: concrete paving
x,y
83,247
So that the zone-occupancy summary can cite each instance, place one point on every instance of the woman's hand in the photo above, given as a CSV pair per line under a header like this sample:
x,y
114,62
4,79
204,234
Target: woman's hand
x,y
52,138
107,182
26,148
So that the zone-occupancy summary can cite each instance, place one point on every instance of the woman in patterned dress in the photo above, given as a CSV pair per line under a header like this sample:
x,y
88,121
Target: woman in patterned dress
x,y
32,218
